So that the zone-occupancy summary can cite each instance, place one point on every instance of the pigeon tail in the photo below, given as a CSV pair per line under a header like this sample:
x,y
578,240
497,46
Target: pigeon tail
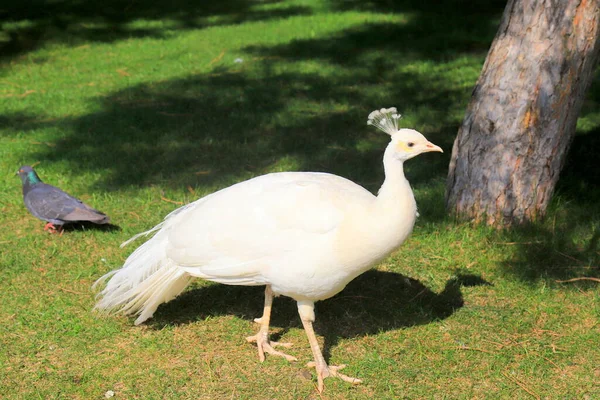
x,y
86,214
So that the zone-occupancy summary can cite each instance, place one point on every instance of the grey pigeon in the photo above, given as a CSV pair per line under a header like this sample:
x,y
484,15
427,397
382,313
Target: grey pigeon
x,y
51,204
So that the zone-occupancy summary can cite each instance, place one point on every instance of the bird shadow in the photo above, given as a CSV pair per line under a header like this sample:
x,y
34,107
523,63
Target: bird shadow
x,y
89,226
357,311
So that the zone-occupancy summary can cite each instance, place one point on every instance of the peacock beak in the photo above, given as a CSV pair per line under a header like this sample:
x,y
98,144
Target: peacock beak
x,y
432,147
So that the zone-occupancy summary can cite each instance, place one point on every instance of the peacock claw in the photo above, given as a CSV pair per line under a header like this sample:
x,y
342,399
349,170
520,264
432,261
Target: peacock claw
x,y
326,371
264,345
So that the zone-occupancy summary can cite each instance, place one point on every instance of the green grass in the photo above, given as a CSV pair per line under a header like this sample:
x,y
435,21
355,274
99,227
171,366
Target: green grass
x,y
133,106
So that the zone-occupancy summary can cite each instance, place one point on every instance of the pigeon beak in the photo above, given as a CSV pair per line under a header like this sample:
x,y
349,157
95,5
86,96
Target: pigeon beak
x,y
432,147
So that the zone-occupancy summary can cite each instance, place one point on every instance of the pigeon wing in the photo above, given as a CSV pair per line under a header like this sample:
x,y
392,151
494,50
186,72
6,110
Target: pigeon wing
x,y
49,203
83,212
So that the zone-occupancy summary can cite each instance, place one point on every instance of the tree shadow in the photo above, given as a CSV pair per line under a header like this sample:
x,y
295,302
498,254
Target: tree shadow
x,y
204,130
28,25
216,129
374,302
567,245
546,254
580,178
460,8
439,32
14,123
591,105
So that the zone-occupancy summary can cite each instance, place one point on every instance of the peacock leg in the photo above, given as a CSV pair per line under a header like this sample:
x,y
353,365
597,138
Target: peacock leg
x,y
307,315
262,337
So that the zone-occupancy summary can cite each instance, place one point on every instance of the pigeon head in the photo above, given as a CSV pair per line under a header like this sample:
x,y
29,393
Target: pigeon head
x,y
28,175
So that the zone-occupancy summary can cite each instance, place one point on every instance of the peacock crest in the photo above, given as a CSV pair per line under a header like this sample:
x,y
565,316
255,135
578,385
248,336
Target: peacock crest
x,y
385,119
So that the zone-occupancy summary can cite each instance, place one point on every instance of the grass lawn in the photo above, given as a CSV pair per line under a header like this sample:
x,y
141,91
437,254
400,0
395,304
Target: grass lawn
x,y
138,107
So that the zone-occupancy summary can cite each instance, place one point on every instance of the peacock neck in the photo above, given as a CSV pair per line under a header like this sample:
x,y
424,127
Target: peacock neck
x,y
395,193
393,213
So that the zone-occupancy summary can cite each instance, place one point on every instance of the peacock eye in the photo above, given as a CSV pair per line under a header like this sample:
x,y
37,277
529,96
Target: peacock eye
x,y
410,144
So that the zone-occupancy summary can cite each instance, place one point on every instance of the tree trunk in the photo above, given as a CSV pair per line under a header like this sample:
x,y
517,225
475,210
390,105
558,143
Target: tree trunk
x,y
521,119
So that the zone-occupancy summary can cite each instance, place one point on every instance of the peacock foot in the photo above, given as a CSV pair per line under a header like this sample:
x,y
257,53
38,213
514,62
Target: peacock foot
x,y
326,371
266,346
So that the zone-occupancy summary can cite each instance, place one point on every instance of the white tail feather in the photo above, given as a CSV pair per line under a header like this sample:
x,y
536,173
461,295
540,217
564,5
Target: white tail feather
x,y
168,219
147,279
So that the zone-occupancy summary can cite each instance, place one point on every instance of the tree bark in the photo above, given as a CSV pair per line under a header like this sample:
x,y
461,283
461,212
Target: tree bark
x,y
521,118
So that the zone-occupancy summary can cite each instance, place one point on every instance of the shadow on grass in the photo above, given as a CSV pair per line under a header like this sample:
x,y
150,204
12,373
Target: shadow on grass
x,y
374,302
29,25
71,228
214,130
436,32
567,244
89,226
235,129
455,8
218,129
543,253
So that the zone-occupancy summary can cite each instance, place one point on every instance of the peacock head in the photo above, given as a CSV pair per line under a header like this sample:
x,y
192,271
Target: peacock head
x,y
405,143
28,175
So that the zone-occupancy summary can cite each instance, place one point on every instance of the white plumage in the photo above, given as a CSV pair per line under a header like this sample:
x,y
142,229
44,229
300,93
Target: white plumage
x,y
304,235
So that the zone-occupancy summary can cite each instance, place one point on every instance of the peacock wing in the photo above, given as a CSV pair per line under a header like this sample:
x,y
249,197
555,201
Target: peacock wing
x,y
232,236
